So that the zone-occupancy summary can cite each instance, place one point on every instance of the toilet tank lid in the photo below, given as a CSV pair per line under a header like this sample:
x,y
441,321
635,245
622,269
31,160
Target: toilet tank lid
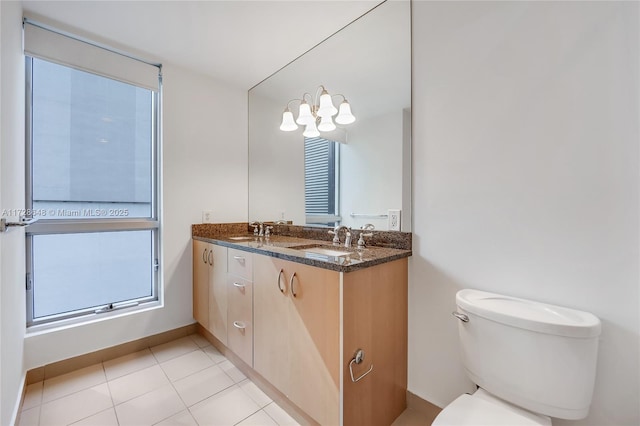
x,y
529,315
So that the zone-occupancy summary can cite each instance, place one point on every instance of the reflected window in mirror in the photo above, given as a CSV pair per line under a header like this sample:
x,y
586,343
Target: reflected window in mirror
x,y
321,181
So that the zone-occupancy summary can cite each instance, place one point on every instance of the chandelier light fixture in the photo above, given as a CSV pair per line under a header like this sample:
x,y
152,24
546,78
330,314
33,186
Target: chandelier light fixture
x,y
317,114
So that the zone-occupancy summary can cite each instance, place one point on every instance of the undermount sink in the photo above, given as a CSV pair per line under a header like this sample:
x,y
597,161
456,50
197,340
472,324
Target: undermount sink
x,y
327,251
241,238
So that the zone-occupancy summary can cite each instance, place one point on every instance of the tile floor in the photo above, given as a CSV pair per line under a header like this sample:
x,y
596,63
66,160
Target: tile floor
x,y
183,382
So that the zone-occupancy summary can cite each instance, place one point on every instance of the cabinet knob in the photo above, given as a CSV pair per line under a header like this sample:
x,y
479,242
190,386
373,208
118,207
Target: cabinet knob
x,y
204,255
239,325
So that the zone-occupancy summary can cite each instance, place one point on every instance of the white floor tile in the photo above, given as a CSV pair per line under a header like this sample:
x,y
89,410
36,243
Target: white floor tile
x,y
30,417
224,408
77,406
233,372
69,383
183,418
103,418
150,408
258,419
200,341
32,396
214,354
186,364
119,367
173,349
280,416
255,393
154,387
203,384
136,384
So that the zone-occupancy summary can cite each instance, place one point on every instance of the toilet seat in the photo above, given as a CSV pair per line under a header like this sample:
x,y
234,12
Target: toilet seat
x,y
483,409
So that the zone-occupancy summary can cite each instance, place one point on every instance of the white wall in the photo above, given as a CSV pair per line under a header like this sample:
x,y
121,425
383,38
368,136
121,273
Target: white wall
x,y
12,278
526,178
277,158
371,169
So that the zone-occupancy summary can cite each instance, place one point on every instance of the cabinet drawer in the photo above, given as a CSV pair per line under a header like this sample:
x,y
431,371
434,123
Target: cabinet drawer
x,y
240,317
239,263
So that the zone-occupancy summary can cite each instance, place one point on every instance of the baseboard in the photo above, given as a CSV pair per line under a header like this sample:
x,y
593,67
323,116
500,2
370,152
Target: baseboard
x,y
66,366
422,406
18,407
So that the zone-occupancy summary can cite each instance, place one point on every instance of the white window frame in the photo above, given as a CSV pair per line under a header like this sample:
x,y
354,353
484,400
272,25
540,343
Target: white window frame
x,y
93,225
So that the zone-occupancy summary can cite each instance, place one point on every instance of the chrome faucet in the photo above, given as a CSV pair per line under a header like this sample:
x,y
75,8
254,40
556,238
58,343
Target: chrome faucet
x,y
363,233
256,226
336,235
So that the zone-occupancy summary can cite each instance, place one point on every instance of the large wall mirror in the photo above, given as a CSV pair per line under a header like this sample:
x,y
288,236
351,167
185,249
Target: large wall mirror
x,y
369,62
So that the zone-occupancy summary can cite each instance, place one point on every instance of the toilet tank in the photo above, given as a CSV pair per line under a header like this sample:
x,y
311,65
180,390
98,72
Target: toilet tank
x,y
537,356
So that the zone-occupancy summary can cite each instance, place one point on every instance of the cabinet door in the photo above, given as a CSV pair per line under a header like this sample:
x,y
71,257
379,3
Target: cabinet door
x,y
201,255
314,341
218,292
271,321
240,317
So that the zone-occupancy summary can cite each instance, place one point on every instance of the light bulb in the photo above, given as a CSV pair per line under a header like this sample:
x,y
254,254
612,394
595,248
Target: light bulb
x,y
311,131
326,105
345,116
304,115
288,124
326,124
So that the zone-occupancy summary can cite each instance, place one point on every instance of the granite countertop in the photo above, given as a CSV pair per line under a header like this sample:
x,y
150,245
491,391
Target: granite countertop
x,y
293,249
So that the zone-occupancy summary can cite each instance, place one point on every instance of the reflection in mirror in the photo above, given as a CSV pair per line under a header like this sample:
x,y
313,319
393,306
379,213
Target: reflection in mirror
x,y
364,171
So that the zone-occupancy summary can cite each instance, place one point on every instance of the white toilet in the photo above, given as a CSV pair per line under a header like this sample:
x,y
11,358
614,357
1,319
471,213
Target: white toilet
x,y
531,361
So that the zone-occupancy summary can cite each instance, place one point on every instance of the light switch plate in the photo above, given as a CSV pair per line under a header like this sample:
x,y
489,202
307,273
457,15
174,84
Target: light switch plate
x,y
394,219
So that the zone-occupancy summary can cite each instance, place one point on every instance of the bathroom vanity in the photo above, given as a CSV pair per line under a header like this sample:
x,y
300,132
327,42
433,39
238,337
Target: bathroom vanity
x,y
320,326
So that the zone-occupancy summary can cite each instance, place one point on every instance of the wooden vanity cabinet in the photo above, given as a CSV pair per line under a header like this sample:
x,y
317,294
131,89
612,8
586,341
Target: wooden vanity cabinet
x,y
297,334
302,315
210,288
299,326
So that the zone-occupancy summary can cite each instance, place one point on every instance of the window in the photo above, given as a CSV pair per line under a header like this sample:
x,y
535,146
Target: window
x,y
321,173
92,182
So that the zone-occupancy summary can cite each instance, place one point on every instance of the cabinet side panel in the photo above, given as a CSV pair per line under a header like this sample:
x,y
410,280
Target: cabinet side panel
x,y
375,320
201,282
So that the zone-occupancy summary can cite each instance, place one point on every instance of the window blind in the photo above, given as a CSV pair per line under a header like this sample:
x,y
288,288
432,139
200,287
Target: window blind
x,y
319,164
44,42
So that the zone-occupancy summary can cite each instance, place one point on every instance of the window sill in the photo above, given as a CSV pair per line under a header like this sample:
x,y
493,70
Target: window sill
x,y
40,329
